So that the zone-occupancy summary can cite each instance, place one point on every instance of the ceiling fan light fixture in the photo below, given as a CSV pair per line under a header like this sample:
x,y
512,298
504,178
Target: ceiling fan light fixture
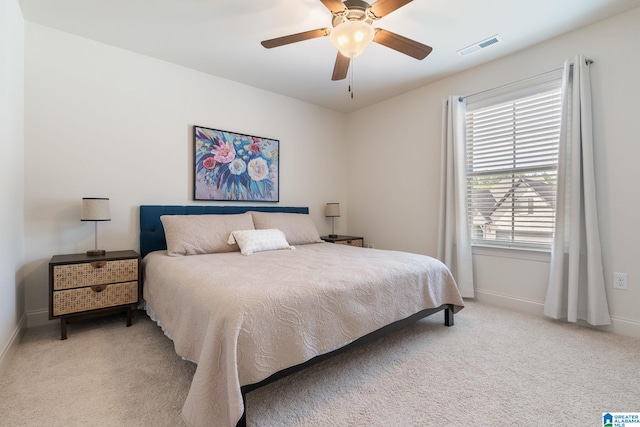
x,y
352,37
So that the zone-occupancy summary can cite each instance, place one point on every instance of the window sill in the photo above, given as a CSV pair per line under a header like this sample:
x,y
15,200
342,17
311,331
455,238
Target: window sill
x,y
531,254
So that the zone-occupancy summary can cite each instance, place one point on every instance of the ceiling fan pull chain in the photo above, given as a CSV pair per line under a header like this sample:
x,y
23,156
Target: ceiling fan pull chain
x,y
351,77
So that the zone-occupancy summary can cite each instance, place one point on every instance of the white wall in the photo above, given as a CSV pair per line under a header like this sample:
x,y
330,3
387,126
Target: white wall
x,y
12,320
394,174
106,122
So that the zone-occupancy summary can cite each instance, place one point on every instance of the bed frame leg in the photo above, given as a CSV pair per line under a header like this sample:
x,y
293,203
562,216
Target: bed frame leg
x,y
448,316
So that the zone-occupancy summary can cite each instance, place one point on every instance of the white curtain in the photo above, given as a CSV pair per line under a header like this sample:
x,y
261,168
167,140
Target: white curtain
x,y
576,284
454,244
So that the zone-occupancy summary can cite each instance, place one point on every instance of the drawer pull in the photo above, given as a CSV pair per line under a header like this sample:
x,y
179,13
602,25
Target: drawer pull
x,y
98,288
98,264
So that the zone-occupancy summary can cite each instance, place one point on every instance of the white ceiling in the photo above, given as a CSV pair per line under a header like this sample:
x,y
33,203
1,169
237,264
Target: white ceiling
x,y
222,37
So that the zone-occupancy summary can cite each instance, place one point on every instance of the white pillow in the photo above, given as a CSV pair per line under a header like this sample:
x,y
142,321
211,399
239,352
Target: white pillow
x,y
202,234
251,241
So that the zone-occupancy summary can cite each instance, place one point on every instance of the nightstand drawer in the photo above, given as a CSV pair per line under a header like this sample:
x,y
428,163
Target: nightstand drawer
x,y
354,242
94,297
344,240
94,273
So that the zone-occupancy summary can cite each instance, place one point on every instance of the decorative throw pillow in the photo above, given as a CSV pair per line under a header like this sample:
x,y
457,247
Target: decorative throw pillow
x,y
298,228
202,234
251,241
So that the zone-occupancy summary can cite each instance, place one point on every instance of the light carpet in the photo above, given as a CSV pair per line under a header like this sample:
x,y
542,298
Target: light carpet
x,y
494,367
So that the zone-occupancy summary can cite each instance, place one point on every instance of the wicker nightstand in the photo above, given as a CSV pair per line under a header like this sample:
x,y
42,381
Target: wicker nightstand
x,y
345,240
83,286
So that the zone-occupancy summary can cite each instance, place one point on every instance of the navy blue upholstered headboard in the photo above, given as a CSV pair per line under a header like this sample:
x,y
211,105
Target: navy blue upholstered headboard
x,y
151,231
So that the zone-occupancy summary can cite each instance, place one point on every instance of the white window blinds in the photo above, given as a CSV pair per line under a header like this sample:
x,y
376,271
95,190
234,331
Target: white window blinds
x,y
512,160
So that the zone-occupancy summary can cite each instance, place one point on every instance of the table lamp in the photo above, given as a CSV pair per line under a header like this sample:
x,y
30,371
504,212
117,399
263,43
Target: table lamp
x,y
332,210
95,209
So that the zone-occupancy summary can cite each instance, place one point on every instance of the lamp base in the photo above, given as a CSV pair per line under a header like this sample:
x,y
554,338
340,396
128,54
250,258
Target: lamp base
x,y
96,252
333,236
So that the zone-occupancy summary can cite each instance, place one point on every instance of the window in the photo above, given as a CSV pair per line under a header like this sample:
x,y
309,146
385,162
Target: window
x,y
512,160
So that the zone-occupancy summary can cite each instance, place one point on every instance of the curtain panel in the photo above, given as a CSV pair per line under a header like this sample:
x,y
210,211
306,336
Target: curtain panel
x,y
454,244
576,288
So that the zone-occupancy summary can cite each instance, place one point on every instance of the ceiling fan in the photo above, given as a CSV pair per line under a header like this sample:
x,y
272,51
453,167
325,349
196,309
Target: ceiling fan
x,y
353,31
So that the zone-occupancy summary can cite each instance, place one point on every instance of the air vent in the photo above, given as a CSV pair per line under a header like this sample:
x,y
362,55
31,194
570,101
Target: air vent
x,y
480,45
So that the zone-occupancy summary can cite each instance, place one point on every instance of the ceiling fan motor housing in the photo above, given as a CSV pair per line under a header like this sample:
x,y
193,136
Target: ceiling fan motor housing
x,y
356,10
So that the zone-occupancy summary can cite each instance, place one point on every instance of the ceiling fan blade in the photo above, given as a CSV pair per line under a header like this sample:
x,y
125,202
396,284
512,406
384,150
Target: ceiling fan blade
x,y
385,7
401,44
334,5
341,67
294,38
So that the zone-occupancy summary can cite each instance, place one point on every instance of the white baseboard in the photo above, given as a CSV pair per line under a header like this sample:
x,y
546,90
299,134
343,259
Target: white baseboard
x,y
626,327
520,305
12,345
620,326
38,318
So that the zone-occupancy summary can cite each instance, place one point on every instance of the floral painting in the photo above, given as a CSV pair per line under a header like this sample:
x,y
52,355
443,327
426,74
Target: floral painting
x,y
235,167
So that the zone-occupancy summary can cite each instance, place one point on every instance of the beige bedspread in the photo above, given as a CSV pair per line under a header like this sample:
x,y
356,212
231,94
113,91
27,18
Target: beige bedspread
x,y
243,318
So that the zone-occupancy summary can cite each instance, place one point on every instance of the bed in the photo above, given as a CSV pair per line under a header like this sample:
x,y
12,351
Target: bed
x,y
273,299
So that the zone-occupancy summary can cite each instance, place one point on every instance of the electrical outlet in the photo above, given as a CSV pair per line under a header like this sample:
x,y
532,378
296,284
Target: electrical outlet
x,y
620,281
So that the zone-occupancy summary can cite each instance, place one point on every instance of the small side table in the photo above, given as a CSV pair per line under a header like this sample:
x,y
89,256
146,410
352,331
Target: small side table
x,y
345,240
83,286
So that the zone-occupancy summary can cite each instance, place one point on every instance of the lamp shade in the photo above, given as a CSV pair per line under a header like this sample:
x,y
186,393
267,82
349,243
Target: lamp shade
x,y
95,209
332,210
352,37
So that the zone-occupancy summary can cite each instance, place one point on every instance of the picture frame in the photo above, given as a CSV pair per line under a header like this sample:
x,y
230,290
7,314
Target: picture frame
x,y
231,166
